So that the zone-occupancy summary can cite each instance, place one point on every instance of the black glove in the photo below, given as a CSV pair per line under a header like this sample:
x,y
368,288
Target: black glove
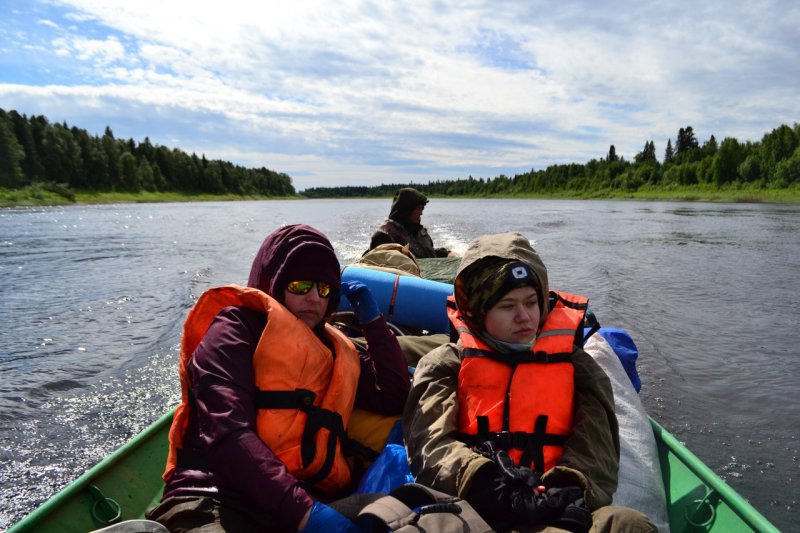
x,y
567,510
487,497
519,485
505,495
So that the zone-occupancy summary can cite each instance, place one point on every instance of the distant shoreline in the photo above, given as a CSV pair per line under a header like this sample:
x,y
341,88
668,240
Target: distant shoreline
x,y
34,197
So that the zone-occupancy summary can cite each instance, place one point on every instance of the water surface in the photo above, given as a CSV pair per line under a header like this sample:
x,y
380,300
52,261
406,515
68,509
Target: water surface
x,y
92,300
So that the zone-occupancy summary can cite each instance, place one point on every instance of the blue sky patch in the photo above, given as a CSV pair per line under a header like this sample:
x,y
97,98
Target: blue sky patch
x,y
499,50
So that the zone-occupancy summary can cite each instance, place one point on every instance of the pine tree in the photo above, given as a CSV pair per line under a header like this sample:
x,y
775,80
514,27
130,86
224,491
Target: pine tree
x,y
647,154
669,154
685,143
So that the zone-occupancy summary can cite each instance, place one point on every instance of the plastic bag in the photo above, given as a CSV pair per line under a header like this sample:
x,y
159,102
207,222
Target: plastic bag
x,y
390,470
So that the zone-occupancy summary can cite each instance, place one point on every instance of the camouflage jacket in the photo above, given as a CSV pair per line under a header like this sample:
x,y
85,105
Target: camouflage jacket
x,y
440,461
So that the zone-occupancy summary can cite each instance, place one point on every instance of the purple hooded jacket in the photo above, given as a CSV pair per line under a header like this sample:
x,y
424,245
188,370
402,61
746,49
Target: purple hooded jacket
x,y
223,425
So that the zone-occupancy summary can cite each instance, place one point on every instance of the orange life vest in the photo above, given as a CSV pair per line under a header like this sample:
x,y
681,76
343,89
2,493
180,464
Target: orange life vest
x,y
522,402
305,395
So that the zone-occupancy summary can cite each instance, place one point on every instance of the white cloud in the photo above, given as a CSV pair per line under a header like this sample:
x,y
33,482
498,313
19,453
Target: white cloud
x,y
50,23
102,52
355,90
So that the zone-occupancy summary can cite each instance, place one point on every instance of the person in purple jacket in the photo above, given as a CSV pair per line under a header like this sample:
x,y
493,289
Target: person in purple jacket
x,y
257,443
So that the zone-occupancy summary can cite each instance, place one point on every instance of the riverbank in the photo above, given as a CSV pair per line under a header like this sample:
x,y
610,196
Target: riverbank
x,y
689,193
38,195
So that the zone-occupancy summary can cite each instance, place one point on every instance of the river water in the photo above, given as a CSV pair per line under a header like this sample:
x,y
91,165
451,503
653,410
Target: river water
x,y
92,300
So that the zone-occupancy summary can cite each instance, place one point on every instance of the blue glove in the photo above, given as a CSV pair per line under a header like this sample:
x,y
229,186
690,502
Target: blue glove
x,y
364,305
327,520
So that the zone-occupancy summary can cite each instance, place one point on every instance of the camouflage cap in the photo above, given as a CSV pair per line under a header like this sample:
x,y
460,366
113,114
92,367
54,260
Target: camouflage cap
x,y
481,285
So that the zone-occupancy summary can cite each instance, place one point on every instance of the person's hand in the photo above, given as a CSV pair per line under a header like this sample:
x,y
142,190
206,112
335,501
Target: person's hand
x,y
364,305
506,495
325,519
522,488
571,511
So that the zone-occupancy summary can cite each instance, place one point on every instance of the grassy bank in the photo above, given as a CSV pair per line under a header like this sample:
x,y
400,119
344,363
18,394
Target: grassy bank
x,y
694,193
724,194
39,195
42,196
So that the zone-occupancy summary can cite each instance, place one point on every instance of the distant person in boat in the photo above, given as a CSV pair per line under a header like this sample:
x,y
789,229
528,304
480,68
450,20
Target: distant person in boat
x,y
404,225
516,418
268,390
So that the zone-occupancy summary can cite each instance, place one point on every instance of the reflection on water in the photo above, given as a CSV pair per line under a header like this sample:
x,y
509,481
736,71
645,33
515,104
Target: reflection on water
x,y
93,300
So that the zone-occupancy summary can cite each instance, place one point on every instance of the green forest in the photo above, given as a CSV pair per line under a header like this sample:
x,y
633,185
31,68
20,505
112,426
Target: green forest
x,y
38,156
771,164
63,159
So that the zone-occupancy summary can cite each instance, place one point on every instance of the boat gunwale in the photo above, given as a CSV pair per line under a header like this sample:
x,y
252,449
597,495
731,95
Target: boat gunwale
x,y
735,501
74,488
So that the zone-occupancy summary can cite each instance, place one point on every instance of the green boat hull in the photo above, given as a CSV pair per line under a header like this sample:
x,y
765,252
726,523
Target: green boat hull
x,y
697,498
120,487
128,482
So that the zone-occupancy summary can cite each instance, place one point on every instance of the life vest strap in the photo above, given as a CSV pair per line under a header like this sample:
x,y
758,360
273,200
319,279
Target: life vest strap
x,y
316,418
319,418
568,300
285,399
513,358
531,444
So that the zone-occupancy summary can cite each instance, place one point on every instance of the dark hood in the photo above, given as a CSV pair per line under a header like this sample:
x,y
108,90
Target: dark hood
x,y
405,201
272,265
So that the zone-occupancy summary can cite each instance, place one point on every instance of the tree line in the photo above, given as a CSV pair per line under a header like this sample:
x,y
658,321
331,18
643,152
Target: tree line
x,y
774,162
35,151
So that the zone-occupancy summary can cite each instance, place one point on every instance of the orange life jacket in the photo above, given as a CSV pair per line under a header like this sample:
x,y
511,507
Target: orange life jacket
x,y
305,396
522,402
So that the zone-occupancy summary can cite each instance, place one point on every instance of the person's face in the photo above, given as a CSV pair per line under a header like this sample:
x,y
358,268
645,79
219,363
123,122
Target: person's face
x,y
515,317
416,215
309,307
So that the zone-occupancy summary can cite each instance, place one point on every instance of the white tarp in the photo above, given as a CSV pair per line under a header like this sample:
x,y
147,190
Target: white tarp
x,y
640,484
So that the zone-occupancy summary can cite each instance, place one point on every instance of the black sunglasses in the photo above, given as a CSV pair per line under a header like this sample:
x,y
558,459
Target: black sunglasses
x,y
303,287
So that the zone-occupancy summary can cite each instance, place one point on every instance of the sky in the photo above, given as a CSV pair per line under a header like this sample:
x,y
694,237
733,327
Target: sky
x,y
362,93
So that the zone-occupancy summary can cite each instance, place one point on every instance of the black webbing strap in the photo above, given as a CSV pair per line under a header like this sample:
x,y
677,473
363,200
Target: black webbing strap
x,y
533,452
555,297
319,418
515,358
531,444
483,428
316,418
285,399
